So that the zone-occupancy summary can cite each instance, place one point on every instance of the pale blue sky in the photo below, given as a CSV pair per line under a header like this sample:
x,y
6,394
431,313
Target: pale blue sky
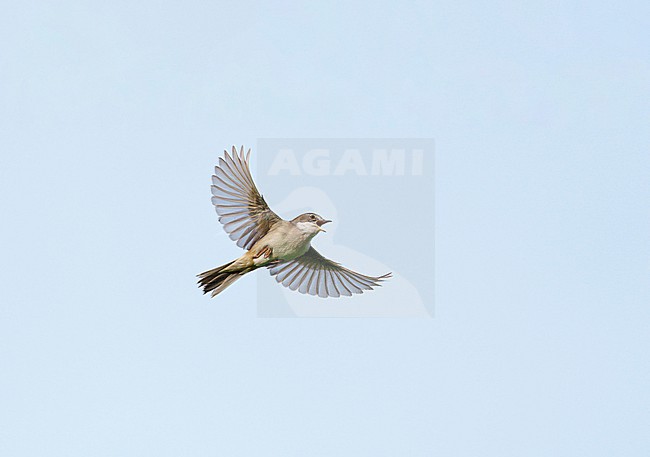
x,y
112,117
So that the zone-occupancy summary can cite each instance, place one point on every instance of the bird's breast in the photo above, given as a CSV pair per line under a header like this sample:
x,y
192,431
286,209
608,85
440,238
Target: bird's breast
x,y
286,241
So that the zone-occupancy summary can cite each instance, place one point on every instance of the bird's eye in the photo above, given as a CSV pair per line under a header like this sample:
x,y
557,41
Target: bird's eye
x,y
313,218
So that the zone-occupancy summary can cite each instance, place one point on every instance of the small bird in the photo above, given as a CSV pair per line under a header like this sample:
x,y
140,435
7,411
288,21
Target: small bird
x,y
284,247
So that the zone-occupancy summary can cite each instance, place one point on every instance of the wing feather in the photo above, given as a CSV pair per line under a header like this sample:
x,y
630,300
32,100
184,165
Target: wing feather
x,y
241,208
313,274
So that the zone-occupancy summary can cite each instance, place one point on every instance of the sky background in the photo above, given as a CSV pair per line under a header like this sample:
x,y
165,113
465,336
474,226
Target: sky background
x,y
112,116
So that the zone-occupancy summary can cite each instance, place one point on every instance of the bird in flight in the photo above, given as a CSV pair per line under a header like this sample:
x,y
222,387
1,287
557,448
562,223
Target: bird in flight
x,y
284,247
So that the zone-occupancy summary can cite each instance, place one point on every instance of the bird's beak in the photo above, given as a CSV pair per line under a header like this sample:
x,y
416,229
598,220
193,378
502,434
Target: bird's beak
x,y
321,223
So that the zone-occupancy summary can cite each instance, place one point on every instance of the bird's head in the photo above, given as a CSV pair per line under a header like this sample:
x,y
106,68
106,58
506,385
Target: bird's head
x,y
310,223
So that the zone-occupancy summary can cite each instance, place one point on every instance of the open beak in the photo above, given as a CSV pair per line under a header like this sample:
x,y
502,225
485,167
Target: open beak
x,y
321,223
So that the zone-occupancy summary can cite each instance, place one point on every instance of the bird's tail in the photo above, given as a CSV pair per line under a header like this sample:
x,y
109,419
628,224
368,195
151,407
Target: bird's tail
x,y
217,279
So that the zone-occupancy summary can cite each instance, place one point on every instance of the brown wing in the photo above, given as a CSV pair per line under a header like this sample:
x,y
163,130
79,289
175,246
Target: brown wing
x,y
313,274
242,210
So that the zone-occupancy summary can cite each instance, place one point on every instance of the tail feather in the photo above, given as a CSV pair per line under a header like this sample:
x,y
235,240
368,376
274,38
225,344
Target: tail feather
x,y
216,280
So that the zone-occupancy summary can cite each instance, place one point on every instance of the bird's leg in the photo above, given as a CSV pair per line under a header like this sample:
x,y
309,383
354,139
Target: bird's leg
x,y
266,251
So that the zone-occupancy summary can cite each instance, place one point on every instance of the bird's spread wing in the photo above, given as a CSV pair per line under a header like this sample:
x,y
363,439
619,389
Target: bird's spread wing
x,y
242,210
313,274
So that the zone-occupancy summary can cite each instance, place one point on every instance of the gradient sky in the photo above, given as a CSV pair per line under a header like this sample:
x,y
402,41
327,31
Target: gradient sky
x,y
113,115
